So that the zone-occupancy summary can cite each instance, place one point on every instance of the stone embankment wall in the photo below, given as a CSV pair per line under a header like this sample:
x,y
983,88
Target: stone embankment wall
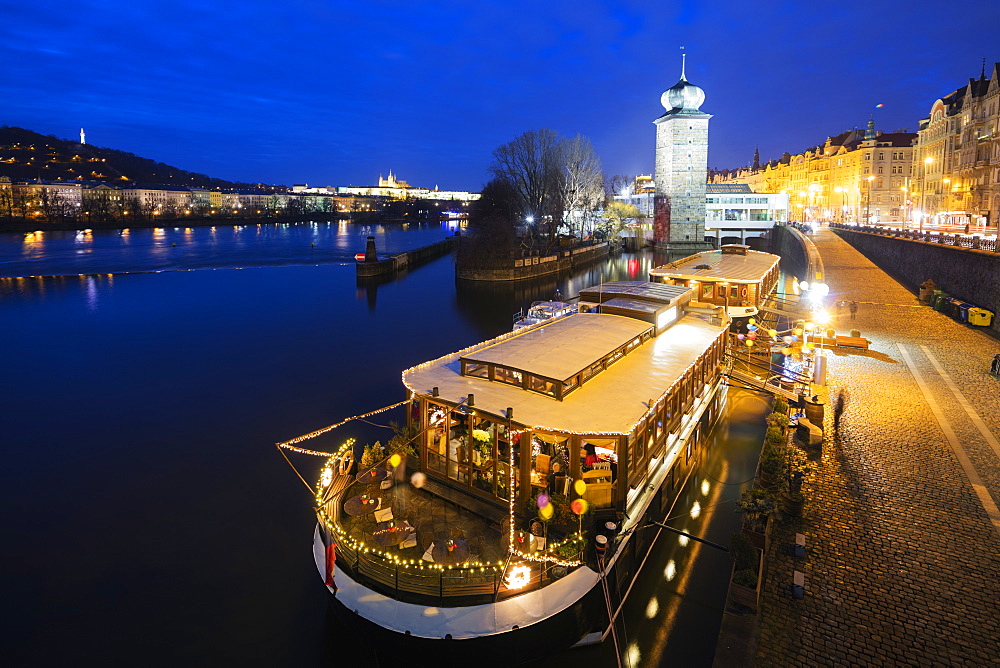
x,y
406,260
531,267
966,273
786,243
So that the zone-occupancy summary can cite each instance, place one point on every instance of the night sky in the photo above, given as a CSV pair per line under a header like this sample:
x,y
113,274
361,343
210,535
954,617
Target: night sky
x,y
335,93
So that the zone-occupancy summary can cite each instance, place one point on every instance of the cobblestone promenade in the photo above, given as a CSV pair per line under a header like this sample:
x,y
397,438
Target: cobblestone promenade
x,y
902,562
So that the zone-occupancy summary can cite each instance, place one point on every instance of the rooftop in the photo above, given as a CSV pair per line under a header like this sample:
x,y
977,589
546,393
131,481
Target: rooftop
x,y
563,348
716,265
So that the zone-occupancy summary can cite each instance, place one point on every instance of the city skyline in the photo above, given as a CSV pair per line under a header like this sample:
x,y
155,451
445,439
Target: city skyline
x,y
305,93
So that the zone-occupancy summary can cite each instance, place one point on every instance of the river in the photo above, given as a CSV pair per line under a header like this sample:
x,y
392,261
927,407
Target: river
x,y
148,517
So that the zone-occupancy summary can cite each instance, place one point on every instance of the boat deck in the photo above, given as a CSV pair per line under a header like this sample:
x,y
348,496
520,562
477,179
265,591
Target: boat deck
x,y
435,515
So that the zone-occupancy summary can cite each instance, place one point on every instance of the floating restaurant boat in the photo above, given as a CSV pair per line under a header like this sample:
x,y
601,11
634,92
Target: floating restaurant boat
x,y
542,312
733,276
541,457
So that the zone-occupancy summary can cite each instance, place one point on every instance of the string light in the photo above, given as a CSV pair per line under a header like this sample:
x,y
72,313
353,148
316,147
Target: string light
x,y
288,445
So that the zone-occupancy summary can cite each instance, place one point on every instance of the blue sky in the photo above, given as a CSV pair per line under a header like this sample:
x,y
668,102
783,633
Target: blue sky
x,y
334,93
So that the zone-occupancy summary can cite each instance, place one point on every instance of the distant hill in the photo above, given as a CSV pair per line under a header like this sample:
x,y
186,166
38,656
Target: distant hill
x,y
26,155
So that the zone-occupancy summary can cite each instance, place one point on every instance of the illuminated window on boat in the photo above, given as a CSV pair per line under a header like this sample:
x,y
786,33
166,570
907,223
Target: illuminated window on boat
x,y
436,430
569,384
509,376
542,385
632,461
477,370
707,290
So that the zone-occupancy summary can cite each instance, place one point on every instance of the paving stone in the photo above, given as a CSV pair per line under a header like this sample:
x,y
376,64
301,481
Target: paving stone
x,y
903,564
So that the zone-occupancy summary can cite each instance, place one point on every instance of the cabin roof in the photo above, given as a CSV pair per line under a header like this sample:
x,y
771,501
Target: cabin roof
x,y
563,347
645,290
749,268
611,402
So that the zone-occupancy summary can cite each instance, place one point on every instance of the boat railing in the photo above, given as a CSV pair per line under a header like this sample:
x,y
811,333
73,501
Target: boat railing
x,y
414,583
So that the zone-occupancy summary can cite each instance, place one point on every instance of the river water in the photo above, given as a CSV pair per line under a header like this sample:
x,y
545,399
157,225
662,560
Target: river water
x,y
148,518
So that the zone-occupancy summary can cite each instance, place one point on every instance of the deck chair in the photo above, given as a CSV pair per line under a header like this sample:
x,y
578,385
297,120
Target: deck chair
x,y
542,464
429,554
383,515
598,494
560,485
411,541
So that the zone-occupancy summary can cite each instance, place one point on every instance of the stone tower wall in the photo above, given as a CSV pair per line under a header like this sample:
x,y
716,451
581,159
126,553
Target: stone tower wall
x,y
681,174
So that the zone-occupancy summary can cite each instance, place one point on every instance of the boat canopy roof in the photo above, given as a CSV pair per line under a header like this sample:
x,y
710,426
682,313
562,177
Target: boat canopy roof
x,y
719,265
562,348
660,293
610,403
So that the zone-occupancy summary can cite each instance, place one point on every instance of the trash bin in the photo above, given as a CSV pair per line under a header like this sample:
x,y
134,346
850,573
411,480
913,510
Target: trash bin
x,y
980,317
995,367
951,307
963,311
939,300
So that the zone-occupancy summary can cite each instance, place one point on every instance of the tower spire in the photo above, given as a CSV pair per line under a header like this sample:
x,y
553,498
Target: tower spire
x,y
982,75
83,136
684,63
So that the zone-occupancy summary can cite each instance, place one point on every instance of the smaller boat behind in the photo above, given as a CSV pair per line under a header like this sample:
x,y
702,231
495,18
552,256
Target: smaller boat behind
x,y
543,312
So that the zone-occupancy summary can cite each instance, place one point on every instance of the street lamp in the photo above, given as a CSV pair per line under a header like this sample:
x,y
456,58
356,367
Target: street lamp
x,y
906,206
923,189
813,189
840,190
868,200
946,196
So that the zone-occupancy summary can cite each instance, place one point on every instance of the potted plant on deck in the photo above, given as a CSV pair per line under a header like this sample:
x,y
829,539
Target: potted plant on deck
x,y
403,443
747,573
757,506
370,458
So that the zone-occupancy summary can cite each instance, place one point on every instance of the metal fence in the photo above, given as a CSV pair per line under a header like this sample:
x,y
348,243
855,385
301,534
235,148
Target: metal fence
x,y
972,241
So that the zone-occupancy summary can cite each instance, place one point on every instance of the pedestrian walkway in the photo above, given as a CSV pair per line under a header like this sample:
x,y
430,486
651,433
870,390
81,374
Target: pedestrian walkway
x,y
902,564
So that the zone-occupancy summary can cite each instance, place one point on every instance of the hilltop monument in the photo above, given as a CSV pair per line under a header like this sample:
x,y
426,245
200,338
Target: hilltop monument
x,y
681,167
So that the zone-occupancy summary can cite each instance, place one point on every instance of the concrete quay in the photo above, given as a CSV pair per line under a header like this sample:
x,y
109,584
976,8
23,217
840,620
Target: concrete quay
x,y
902,559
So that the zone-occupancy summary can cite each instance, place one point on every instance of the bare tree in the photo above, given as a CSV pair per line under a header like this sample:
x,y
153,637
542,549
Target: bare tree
x,y
530,164
617,184
581,185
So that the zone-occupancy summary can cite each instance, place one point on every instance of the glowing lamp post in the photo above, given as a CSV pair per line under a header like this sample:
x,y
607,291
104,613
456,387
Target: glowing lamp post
x,y
923,189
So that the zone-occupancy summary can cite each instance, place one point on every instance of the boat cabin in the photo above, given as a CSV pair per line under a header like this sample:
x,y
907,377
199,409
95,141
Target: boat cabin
x,y
597,396
734,277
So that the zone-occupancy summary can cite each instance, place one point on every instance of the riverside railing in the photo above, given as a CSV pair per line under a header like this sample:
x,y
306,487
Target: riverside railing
x,y
971,241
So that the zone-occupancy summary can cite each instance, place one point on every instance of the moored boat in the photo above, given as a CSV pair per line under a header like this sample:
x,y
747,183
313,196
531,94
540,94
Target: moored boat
x,y
543,311
539,458
734,276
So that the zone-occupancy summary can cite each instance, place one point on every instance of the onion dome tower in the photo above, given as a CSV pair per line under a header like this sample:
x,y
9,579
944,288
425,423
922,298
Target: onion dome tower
x,y
681,167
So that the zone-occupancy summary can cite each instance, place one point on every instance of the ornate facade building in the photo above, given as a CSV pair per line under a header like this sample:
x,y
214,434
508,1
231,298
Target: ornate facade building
x,y
958,155
948,172
852,177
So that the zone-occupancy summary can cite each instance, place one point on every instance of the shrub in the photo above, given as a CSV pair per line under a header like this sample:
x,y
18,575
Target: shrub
x,y
777,420
780,406
371,456
402,441
775,435
772,460
744,553
756,505
746,577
